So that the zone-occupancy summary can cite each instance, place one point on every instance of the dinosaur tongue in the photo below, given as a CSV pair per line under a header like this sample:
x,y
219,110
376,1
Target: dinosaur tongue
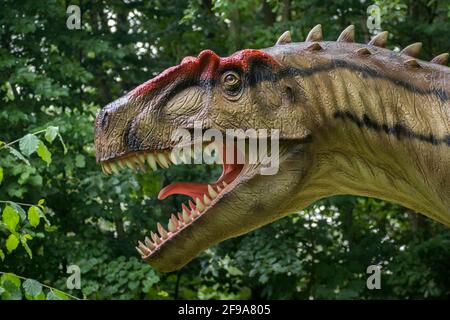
x,y
197,190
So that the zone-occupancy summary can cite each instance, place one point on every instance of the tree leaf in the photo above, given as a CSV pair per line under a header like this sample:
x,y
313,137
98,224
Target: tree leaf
x,y
12,292
27,237
50,228
53,296
23,240
43,152
51,133
2,255
80,161
10,217
1,175
11,243
11,277
19,209
32,287
28,144
34,216
18,155
9,91
40,296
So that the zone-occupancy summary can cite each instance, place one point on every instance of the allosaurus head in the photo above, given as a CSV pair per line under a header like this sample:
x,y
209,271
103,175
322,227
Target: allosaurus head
x,y
276,89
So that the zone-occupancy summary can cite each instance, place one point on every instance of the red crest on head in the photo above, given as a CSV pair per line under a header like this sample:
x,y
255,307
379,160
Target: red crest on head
x,y
204,67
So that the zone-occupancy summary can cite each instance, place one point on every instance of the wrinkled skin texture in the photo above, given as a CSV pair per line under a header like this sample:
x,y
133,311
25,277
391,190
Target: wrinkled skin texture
x,y
363,122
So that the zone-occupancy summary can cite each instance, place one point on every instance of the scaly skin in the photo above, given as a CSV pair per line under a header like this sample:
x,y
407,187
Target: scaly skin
x,y
353,118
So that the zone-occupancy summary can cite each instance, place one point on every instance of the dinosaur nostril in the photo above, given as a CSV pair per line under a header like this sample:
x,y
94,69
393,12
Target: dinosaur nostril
x,y
105,118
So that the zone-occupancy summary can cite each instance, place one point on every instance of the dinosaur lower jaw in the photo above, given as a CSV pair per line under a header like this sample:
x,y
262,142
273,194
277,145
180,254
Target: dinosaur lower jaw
x,y
203,196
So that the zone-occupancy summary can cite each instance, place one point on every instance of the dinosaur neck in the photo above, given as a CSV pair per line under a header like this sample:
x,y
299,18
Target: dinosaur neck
x,y
377,138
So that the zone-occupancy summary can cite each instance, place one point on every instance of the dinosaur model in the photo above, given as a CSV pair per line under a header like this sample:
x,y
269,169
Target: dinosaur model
x,y
353,118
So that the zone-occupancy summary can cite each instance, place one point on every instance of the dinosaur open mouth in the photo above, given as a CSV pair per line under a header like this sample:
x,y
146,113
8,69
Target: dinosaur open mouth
x,y
203,196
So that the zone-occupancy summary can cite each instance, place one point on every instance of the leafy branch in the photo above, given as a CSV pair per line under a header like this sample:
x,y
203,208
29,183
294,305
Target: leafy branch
x,y
10,289
15,221
30,143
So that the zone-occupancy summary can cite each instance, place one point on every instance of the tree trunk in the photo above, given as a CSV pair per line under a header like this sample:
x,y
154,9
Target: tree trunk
x,y
235,26
286,14
269,15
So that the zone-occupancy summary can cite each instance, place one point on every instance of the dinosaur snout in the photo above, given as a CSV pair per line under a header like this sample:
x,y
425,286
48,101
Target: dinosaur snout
x,y
108,129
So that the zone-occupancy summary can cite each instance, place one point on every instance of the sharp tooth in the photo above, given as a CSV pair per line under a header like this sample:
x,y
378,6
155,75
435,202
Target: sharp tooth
x,y
194,214
162,231
144,249
140,165
224,184
180,218
140,252
167,156
103,169
151,161
141,158
121,164
155,238
185,212
130,164
219,189
162,160
149,244
186,216
199,204
174,220
191,205
211,191
171,226
107,168
185,208
206,200
114,168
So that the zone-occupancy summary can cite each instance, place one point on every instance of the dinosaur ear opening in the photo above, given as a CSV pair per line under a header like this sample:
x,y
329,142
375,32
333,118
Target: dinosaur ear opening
x,y
289,93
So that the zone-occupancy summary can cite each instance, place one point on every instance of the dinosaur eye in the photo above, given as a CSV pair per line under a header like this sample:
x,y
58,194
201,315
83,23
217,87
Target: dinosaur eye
x,y
231,82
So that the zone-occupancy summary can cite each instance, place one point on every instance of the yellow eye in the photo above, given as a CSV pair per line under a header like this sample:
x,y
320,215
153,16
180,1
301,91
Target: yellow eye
x,y
231,81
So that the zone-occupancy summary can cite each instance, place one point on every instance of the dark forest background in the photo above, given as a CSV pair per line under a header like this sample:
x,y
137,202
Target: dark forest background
x,y
58,209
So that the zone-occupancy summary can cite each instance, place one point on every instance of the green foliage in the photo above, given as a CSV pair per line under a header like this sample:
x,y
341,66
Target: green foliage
x,y
10,218
32,288
13,213
43,152
13,287
54,80
50,133
34,215
28,144
10,287
11,243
